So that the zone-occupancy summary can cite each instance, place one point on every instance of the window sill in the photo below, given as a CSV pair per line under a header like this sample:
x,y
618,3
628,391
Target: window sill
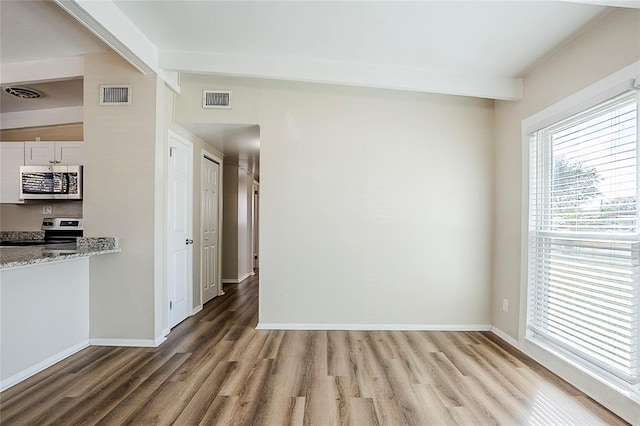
x,y
618,396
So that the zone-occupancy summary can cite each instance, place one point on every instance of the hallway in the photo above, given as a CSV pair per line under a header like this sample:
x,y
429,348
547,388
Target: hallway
x,y
215,368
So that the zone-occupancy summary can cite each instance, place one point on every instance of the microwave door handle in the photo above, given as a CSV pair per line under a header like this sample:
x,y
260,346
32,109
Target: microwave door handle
x,y
66,181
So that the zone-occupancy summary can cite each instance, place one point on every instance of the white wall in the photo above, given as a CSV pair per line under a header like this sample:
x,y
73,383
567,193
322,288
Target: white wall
x,y
376,206
44,316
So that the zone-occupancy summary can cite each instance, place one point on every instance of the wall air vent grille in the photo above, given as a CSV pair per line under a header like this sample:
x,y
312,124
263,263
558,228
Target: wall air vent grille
x,y
216,99
115,95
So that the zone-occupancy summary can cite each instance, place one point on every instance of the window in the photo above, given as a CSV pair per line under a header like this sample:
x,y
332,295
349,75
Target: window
x,y
584,242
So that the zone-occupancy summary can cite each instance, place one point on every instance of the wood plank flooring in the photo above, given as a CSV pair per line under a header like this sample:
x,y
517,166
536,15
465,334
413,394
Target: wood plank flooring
x,y
215,368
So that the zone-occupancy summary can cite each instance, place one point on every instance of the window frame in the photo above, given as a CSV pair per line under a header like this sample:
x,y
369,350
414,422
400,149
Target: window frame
x,y
615,393
542,227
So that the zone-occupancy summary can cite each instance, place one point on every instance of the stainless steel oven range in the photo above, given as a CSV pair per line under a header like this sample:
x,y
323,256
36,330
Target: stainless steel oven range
x,y
57,230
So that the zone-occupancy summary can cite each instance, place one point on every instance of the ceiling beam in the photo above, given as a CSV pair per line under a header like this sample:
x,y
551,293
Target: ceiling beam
x,y
111,25
45,70
341,73
41,117
629,4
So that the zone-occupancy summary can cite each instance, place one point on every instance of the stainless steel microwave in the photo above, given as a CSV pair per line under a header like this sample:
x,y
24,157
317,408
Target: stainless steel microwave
x,y
51,182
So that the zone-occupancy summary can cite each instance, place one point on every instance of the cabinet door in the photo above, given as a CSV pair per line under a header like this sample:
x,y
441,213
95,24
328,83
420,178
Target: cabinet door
x,y
11,158
39,153
70,153
47,153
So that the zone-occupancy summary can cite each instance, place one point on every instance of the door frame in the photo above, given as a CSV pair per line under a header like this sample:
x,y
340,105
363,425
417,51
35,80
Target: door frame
x,y
186,142
255,213
204,153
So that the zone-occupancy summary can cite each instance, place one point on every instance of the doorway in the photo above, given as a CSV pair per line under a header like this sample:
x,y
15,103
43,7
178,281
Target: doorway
x,y
236,150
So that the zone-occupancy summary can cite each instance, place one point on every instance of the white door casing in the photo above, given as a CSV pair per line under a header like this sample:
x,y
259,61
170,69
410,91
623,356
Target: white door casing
x,y
179,232
256,223
211,274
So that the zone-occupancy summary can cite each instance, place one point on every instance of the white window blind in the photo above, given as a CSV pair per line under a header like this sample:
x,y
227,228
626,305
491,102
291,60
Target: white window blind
x,y
584,245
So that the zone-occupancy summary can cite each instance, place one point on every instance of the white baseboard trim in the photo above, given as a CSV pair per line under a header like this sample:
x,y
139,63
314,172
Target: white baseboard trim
x,y
25,374
135,343
196,310
375,327
504,336
237,280
159,340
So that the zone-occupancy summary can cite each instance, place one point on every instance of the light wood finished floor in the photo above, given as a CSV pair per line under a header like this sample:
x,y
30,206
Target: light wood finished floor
x,y
215,368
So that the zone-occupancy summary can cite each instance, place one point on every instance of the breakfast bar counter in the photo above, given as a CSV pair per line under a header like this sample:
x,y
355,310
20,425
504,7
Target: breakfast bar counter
x,y
20,256
44,303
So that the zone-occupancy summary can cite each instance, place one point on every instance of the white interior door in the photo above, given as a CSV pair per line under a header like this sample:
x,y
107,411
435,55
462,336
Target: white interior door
x,y
210,214
180,235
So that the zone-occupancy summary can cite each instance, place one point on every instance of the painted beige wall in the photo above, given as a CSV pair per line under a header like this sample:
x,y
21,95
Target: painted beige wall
x,y
608,45
28,217
236,232
230,222
64,132
376,205
120,172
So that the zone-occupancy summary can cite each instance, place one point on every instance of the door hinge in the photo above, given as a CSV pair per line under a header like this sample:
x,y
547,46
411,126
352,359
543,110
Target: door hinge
x,y
170,304
171,150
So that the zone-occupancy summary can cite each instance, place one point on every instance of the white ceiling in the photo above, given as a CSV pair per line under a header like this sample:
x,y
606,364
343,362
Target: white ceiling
x,y
35,30
240,142
473,48
470,37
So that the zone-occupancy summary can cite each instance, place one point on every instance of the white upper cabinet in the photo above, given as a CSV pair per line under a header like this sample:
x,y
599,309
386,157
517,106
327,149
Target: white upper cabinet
x,y
39,153
70,153
58,153
11,158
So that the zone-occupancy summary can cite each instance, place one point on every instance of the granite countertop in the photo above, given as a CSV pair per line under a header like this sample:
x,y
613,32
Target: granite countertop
x,y
18,256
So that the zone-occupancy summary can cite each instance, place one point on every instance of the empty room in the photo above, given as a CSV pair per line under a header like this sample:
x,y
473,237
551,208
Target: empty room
x,y
319,213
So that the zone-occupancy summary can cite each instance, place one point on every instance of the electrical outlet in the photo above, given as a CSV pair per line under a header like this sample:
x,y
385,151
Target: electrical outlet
x,y
505,305
47,209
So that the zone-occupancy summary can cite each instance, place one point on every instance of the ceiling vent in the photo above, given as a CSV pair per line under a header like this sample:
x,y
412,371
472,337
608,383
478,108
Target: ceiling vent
x,y
216,99
115,95
22,92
